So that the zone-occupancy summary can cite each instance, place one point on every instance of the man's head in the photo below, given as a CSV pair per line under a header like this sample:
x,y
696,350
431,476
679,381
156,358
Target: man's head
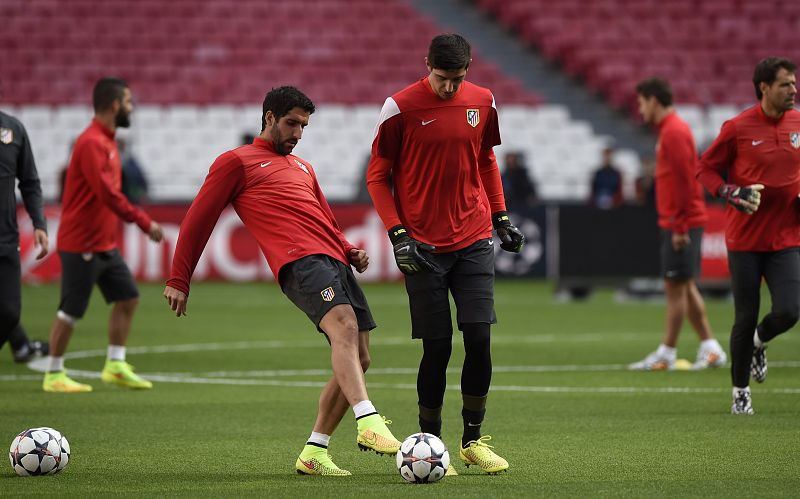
x,y
775,83
448,60
112,96
655,96
285,115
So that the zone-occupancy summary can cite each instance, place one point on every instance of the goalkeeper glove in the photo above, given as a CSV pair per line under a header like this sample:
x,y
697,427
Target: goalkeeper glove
x,y
511,238
410,255
745,199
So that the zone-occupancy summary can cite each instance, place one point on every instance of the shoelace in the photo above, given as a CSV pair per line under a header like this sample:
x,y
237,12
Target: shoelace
x,y
481,442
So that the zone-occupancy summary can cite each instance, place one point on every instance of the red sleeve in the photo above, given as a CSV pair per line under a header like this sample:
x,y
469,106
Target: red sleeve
x,y
94,163
327,209
490,178
223,183
491,134
719,156
681,159
385,149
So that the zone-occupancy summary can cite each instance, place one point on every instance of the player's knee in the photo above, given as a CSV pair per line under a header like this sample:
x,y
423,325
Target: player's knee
x,y
9,316
67,318
787,317
128,306
341,326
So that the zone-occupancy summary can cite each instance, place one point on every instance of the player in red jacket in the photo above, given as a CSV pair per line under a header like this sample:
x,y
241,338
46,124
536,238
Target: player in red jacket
x,y
87,241
758,152
277,196
681,216
435,184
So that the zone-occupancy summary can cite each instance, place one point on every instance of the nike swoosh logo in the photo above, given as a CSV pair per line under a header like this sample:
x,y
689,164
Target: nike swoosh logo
x,y
757,142
265,164
404,248
307,465
471,424
428,122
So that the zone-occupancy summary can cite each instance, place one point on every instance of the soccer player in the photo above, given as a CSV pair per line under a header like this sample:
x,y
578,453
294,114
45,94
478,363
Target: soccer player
x,y
434,181
278,198
87,242
758,151
681,216
16,163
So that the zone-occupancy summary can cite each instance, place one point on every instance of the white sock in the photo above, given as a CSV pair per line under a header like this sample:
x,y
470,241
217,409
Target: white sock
x,y
363,408
116,352
55,364
668,352
756,340
710,344
319,438
737,390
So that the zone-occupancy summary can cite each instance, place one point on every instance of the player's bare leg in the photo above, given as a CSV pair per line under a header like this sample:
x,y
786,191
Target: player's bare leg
x,y
315,459
117,371
55,378
710,353
341,326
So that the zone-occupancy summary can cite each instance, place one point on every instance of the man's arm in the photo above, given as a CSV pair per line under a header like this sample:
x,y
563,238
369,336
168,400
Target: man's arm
x,y
225,180
682,162
31,189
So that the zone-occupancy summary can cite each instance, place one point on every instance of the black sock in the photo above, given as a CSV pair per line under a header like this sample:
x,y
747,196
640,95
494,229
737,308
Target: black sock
x,y
473,413
430,420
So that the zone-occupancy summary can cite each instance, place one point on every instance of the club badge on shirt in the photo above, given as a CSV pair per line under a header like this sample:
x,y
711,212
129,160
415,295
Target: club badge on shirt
x,y
794,139
327,294
6,135
473,117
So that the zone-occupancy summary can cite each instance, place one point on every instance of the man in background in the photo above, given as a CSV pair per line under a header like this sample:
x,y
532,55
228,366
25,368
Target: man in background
x,y
87,242
681,217
606,183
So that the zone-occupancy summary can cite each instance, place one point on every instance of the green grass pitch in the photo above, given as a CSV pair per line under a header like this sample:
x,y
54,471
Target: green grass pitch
x,y
236,386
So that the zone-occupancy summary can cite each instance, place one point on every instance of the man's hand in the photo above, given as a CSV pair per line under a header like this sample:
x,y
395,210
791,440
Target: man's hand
x,y
680,241
176,299
411,255
511,238
359,259
155,233
40,241
745,199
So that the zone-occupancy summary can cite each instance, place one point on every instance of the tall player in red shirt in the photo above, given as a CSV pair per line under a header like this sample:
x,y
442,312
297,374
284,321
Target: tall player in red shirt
x,y
277,196
681,216
758,151
433,147
87,241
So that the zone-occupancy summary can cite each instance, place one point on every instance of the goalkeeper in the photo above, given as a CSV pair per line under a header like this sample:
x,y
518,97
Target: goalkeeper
x,y
434,140
758,151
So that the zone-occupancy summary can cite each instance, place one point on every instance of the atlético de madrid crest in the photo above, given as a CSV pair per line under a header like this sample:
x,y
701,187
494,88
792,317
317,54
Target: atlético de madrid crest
x,y
794,138
6,135
473,117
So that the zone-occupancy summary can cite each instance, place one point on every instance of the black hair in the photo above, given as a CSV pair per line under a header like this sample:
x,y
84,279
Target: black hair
x,y
656,87
449,52
281,100
106,91
767,70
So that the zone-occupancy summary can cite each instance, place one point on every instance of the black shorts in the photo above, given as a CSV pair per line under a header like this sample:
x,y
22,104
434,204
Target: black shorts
x,y
80,272
469,276
684,264
317,283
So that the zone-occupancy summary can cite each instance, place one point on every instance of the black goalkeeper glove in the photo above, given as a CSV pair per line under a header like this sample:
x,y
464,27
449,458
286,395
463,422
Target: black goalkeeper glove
x,y
746,199
411,255
511,238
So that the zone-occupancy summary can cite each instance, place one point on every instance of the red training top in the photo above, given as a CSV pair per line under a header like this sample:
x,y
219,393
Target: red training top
x,y
679,196
438,155
756,149
279,201
92,197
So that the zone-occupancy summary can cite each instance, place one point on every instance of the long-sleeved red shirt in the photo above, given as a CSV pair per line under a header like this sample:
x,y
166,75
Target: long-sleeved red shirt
x,y
279,201
437,155
93,201
756,149
679,196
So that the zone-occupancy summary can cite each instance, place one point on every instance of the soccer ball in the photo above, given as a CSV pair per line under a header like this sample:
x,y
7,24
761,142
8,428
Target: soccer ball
x,y
422,458
39,451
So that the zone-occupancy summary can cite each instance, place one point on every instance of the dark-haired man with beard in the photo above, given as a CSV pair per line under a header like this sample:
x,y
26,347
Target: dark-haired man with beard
x,y
87,242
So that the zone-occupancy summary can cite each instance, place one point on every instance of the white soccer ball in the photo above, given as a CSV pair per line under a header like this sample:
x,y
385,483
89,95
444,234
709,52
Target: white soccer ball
x,y
423,458
39,451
